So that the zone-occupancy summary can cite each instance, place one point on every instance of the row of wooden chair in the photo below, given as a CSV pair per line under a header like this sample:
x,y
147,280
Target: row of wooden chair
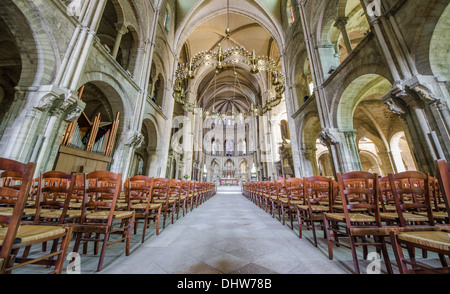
x,y
89,207
408,208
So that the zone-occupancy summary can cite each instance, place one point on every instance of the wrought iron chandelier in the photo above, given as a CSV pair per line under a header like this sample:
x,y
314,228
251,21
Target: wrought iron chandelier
x,y
221,60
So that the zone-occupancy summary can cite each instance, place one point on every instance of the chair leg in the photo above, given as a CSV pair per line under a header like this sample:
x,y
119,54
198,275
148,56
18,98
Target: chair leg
x,y
77,241
158,218
313,228
146,220
129,230
387,261
398,253
96,243
164,217
300,223
63,251
102,254
85,245
173,212
354,255
291,218
327,230
443,260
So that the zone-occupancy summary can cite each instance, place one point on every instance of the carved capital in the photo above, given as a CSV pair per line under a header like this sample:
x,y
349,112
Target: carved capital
x,y
341,23
394,106
327,138
121,28
133,139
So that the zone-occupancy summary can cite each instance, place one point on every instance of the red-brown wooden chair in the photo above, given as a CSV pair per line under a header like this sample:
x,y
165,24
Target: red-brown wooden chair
x,y
294,190
99,214
318,198
161,194
361,217
138,191
436,239
15,235
54,194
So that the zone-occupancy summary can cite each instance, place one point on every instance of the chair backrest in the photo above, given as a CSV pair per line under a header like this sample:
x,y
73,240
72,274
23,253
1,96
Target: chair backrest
x,y
55,190
443,176
360,190
280,187
175,187
161,188
15,195
319,189
295,188
101,190
386,196
411,190
138,189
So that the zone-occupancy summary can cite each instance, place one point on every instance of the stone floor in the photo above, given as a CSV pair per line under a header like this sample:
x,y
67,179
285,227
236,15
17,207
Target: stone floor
x,y
227,234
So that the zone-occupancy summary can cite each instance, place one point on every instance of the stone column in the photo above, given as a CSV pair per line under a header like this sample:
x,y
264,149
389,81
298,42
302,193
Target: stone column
x,y
121,31
343,149
341,24
129,141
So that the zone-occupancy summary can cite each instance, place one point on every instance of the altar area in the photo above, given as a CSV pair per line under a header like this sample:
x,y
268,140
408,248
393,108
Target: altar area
x,y
229,182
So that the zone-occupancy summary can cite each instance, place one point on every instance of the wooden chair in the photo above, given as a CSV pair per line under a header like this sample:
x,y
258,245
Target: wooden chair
x,y
436,239
280,199
184,196
15,235
54,194
294,192
257,194
411,191
437,200
316,191
12,180
138,191
99,214
361,218
194,196
175,195
188,190
161,194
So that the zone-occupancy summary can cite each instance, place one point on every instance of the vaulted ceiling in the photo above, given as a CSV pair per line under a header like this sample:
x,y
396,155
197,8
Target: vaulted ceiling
x,y
206,23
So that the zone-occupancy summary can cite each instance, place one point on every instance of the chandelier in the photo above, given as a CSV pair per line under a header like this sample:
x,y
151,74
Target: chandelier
x,y
221,60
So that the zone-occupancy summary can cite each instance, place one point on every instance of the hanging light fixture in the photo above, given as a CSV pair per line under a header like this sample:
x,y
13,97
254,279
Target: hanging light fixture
x,y
222,60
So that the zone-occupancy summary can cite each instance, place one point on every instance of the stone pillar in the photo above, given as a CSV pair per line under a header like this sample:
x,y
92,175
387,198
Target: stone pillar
x,y
310,155
121,30
343,149
77,53
123,156
341,24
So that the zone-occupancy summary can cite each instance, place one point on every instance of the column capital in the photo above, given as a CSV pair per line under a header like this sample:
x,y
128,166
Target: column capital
x,y
328,137
121,28
341,23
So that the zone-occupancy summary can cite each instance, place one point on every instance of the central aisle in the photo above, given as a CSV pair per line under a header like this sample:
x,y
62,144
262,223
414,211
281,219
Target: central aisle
x,y
227,234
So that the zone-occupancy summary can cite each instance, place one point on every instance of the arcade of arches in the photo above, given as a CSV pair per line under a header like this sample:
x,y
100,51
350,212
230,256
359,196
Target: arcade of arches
x,y
88,85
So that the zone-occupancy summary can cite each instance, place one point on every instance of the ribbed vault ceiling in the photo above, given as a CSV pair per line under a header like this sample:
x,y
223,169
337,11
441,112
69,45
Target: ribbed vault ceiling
x,y
234,89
